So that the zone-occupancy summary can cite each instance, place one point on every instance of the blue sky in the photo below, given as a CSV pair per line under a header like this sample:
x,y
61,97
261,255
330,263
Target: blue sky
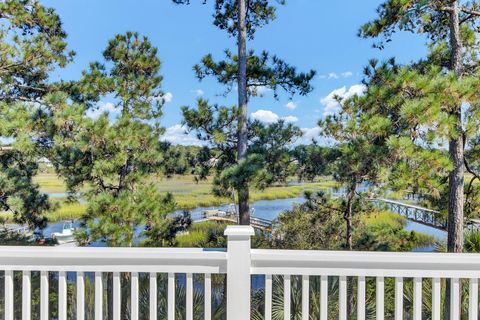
x,y
310,34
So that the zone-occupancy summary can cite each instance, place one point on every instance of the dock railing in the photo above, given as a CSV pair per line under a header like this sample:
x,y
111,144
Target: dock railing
x,y
238,264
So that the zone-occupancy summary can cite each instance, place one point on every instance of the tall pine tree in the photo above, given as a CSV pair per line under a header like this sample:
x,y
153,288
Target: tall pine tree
x,y
241,18
117,157
32,45
456,21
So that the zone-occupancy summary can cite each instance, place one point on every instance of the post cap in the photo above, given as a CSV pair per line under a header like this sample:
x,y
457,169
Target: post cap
x,y
236,231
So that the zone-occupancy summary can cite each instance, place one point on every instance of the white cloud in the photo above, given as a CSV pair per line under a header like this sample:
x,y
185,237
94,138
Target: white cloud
x,y
102,107
265,116
167,97
290,119
291,105
263,89
330,101
334,75
311,133
177,134
198,92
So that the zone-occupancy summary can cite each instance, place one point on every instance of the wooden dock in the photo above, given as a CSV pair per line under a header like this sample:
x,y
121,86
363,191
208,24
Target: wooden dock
x,y
228,217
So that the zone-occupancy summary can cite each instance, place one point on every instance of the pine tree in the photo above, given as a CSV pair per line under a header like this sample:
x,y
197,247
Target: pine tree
x,y
32,45
406,113
241,18
262,71
116,156
440,20
360,154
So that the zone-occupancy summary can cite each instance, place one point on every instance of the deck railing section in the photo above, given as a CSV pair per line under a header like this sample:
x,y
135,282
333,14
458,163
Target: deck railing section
x,y
359,266
102,261
353,273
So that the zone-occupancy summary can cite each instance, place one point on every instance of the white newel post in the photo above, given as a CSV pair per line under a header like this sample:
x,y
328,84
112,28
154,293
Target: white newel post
x,y
238,272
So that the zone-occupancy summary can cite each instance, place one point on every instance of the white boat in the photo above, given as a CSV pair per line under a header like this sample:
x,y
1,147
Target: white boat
x,y
67,234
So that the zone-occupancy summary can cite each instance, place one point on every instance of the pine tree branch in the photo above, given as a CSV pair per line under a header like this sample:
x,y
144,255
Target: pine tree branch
x,y
471,12
471,170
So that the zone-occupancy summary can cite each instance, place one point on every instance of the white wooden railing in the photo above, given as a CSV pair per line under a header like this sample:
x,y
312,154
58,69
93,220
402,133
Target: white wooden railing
x,y
239,263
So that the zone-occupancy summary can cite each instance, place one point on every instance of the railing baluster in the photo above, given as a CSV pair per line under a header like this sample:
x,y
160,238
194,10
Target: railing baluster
x,y
153,296
98,296
324,298
417,299
343,298
62,295
473,299
44,314
286,296
134,296
380,298
455,299
208,296
80,296
305,297
436,296
361,299
117,296
171,296
398,298
9,295
26,295
189,300
268,297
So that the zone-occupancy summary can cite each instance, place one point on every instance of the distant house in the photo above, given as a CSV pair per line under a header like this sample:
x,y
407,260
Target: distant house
x,y
44,161
6,148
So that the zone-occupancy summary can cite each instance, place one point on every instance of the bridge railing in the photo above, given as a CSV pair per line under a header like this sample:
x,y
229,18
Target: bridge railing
x,y
324,283
427,216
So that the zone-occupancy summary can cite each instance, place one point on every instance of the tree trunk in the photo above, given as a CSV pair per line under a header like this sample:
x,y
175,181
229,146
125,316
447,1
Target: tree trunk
x,y
243,195
456,152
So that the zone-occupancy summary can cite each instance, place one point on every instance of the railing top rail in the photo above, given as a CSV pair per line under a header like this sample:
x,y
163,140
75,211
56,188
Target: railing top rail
x,y
404,205
374,264
180,260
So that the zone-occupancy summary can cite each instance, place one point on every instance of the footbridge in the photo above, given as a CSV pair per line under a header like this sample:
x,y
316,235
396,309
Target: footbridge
x,y
429,217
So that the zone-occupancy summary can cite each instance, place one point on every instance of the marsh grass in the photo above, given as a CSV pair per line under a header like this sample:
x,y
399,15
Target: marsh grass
x,y
203,234
385,218
66,211
50,183
394,221
188,193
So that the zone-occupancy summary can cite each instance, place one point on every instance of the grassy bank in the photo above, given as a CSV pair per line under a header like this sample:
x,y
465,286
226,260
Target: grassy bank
x,y
188,194
391,223
386,228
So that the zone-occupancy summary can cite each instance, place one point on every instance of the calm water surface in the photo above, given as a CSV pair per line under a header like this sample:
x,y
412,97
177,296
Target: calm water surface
x,y
270,209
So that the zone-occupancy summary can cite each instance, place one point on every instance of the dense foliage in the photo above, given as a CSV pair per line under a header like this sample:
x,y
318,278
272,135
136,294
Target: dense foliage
x,y
116,155
32,45
317,225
